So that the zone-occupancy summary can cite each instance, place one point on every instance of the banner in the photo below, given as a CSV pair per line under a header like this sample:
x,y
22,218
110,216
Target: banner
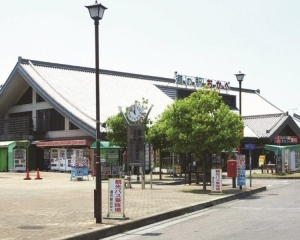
x,y
241,170
261,160
216,180
116,190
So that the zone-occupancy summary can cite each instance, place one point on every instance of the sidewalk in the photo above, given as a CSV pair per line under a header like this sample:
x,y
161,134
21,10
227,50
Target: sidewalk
x,y
57,208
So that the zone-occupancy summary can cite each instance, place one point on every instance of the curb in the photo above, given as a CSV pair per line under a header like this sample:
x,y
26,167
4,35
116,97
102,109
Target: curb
x,y
107,231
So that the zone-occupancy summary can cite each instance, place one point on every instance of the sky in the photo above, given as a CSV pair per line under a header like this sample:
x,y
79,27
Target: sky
x,y
212,39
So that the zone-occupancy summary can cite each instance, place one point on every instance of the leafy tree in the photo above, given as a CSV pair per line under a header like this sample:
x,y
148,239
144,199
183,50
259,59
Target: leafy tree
x,y
116,130
201,124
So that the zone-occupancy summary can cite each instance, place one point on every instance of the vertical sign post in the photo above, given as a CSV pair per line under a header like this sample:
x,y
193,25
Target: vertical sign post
x,y
116,190
241,170
250,147
216,180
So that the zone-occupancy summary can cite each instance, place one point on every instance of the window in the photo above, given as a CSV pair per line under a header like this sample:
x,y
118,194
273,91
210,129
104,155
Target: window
x,y
26,97
230,101
72,126
50,120
184,93
39,98
57,121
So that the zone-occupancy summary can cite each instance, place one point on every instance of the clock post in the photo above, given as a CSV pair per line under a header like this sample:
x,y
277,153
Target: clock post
x,y
136,122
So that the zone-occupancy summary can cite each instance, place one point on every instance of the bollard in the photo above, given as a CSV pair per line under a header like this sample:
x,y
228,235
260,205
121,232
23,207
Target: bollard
x,y
151,179
128,182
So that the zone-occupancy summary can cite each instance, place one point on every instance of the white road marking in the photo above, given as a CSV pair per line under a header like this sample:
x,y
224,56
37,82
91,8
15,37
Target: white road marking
x,y
163,224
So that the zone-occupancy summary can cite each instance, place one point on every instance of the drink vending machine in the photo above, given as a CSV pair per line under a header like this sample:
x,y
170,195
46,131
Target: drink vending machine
x,y
54,159
62,160
47,164
20,160
69,159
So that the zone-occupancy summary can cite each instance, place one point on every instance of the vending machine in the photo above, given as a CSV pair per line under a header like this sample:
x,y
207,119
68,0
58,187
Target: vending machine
x,y
106,173
20,160
78,153
69,160
62,159
54,159
47,164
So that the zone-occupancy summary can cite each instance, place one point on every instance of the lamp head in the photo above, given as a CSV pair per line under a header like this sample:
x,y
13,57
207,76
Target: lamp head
x,y
96,10
240,76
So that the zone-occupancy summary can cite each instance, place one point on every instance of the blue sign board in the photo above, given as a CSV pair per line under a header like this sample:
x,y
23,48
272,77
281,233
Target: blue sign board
x,y
241,176
250,146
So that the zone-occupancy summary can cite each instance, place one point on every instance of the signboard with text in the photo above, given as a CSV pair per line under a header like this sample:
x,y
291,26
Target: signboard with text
x,y
198,82
147,156
116,190
286,139
241,170
250,146
261,160
135,140
216,180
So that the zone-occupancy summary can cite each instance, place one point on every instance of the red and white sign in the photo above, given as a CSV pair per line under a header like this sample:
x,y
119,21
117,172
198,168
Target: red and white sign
x,y
216,180
241,161
116,189
286,139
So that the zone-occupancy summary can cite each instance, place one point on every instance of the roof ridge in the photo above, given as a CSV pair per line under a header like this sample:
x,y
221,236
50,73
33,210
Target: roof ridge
x,y
267,101
265,115
92,70
251,129
275,124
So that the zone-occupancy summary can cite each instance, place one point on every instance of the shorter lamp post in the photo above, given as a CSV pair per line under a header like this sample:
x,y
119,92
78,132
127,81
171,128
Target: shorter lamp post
x,y
240,77
96,12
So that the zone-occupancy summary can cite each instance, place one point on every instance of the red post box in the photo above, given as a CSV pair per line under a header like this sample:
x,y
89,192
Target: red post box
x,y
232,168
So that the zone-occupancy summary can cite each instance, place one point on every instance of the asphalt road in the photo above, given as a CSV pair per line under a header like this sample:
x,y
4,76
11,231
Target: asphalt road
x,y
273,214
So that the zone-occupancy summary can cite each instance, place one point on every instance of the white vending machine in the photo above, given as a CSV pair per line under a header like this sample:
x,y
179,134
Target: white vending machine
x,y
69,159
20,160
54,159
62,159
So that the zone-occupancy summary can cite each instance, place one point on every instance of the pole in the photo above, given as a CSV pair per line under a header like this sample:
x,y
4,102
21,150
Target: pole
x,y
234,182
151,179
240,110
250,163
143,169
173,167
98,190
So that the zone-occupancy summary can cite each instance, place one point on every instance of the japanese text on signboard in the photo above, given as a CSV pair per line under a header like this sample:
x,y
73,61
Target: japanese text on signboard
x,y
116,195
199,82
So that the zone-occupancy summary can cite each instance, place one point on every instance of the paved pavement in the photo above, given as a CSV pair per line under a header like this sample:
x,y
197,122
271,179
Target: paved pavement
x,y
57,208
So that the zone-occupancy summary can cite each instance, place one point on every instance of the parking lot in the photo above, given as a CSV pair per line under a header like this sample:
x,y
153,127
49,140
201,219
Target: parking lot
x,y
54,206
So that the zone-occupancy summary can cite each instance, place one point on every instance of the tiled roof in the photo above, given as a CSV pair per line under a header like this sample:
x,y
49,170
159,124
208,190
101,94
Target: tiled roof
x,y
71,91
265,126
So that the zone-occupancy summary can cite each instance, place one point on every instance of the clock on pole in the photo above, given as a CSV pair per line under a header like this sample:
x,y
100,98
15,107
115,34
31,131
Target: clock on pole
x,y
134,113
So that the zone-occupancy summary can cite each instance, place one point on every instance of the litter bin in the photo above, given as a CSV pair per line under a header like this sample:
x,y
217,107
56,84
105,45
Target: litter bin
x,y
199,177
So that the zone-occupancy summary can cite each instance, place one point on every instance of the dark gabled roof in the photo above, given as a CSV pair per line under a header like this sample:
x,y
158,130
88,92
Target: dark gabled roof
x,y
269,126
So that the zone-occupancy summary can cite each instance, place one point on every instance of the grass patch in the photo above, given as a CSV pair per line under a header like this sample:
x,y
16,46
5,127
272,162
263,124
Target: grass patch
x,y
197,191
274,175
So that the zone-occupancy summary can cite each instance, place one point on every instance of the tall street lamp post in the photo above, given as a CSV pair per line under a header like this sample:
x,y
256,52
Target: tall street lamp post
x,y
96,12
240,77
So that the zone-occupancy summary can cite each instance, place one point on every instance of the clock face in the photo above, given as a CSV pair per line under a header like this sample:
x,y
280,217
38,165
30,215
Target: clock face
x,y
135,113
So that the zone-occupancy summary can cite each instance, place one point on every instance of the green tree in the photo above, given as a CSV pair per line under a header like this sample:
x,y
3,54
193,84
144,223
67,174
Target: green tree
x,y
201,124
116,130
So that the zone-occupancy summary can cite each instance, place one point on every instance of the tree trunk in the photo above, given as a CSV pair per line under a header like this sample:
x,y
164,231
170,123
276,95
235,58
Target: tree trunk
x,y
160,167
204,172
